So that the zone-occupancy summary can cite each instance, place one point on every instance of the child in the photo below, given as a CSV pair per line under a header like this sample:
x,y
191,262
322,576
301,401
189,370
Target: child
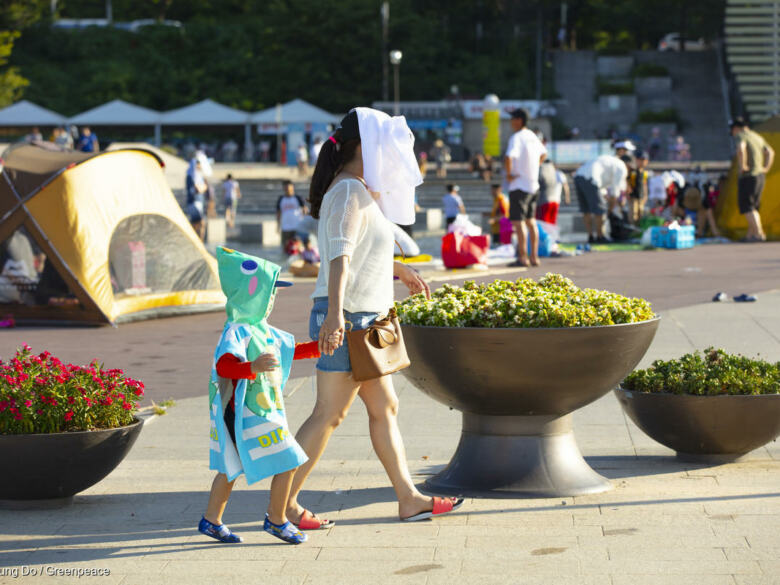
x,y
307,262
249,432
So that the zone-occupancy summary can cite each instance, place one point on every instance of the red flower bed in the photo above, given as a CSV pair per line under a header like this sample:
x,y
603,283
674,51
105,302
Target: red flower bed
x,y
40,394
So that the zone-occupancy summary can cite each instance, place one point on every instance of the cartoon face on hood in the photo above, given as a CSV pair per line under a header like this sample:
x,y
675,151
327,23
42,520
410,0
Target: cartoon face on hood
x,y
249,283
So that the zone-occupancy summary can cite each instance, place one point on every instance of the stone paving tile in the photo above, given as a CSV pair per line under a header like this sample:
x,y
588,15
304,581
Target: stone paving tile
x,y
661,551
673,579
213,577
754,553
550,566
383,567
518,576
527,552
688,566
757,579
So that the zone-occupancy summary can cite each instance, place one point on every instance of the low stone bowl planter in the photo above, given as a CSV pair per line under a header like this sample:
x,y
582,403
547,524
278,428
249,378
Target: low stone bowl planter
x,y
42,470
705,428
517,388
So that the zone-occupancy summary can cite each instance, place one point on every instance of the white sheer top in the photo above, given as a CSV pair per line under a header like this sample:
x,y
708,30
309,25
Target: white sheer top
x,y
352,225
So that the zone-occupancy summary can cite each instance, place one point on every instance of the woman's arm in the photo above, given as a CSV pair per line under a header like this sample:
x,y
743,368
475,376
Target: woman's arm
x,y
332,329
411,278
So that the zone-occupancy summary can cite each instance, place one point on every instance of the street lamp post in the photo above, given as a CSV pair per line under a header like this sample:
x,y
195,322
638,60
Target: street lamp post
x,y
395,59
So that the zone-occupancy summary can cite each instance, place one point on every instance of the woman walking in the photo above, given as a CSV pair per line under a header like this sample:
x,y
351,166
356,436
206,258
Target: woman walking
x,y
355,286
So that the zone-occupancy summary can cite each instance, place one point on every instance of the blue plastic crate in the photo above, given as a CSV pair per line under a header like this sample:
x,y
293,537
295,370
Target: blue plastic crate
x,y
676,239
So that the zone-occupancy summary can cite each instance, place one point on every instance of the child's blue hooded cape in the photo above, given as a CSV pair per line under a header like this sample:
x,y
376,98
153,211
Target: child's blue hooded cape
x,y
264,445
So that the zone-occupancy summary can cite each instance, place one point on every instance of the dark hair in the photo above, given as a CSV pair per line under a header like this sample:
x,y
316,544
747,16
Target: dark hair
x,y
332,158
450,187
738,122
520,114
230,176
495,186
286,182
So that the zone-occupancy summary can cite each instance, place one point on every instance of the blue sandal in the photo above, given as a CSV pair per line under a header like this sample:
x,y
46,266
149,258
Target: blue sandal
x,y
286,532
219,532
745,298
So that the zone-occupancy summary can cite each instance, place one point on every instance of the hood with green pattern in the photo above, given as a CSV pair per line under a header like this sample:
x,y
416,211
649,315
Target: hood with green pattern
x,y
249,283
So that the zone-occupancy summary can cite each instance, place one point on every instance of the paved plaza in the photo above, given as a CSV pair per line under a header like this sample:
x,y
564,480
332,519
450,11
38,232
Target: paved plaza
x,y
664,521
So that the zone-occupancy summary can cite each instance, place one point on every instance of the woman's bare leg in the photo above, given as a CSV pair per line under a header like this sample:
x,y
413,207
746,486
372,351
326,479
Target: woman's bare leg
x,y
335,393
382,406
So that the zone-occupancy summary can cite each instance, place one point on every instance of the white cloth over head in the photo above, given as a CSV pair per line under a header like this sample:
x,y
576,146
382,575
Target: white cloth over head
x,y
205,164
389,164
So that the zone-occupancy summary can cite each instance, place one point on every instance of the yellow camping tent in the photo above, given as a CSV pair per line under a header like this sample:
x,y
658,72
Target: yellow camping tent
x,y
97,238
730,221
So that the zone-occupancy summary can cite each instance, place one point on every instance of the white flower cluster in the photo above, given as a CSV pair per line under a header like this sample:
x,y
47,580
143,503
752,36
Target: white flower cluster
x,y
554,301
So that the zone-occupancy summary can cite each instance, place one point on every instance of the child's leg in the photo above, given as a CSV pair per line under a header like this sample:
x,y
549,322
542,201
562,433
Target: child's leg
x,y
280,492
218,498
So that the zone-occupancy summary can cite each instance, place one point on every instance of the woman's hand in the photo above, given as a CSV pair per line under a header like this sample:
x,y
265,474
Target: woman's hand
x,y
331,333
412,279
265,362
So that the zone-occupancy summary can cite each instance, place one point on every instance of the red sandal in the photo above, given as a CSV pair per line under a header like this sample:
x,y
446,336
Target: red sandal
x,y
440,506
309,521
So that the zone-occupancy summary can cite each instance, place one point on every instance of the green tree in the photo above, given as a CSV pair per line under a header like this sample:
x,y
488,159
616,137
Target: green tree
x,y
14,15
11,83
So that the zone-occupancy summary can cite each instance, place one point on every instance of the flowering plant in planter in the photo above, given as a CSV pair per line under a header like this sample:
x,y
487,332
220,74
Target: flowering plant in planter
x,y
711,373
554,301
41,394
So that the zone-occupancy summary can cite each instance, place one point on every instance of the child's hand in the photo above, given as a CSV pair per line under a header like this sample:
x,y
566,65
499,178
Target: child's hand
x,y
265,363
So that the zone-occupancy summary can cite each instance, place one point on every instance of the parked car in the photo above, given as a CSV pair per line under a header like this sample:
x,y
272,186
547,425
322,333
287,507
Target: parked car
x,y
671,42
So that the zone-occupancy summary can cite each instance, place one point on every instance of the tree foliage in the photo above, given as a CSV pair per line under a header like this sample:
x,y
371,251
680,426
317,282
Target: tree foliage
x,y
252,54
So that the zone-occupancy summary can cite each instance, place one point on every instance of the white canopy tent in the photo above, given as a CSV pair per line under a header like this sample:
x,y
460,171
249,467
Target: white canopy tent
x,y
205,113
26,113
294,112
120,113
210,113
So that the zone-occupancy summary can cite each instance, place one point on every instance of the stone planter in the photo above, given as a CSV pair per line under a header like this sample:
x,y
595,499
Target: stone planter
x,y
48,469
622,108
614,66
517,389
705,428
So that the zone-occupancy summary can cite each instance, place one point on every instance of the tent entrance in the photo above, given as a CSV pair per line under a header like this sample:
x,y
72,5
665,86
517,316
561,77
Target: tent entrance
x,y
149,254
31,286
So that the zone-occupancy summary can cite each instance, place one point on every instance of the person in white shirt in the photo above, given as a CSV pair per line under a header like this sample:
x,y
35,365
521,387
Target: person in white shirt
x,y
302,158
231,194
355,284
524,154
315,150
290,210
602,177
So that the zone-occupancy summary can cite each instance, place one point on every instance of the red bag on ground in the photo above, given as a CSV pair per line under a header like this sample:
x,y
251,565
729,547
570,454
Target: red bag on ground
x,y
458,251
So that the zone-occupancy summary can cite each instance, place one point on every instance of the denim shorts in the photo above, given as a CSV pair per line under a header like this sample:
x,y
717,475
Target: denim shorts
x,y
339,361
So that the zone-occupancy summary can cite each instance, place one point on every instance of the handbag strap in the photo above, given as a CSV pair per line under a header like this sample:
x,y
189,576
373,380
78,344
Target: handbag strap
x,y
400,248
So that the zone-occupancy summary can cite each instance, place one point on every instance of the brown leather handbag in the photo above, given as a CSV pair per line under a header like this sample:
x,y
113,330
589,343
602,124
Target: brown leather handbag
x,y
377,350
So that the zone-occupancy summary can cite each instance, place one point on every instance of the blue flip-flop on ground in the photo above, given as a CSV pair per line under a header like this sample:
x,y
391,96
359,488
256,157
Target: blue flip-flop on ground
x,y
287,532
745,298
219,532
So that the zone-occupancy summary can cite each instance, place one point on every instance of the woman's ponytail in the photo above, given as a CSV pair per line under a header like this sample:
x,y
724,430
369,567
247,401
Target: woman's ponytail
x,y
332,157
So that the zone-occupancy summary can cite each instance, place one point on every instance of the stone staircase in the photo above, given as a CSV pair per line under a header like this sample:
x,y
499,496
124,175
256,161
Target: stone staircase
x,y
575,81
696,95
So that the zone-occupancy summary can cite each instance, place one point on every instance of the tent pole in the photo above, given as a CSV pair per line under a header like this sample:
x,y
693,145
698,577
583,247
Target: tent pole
x,y
157,135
